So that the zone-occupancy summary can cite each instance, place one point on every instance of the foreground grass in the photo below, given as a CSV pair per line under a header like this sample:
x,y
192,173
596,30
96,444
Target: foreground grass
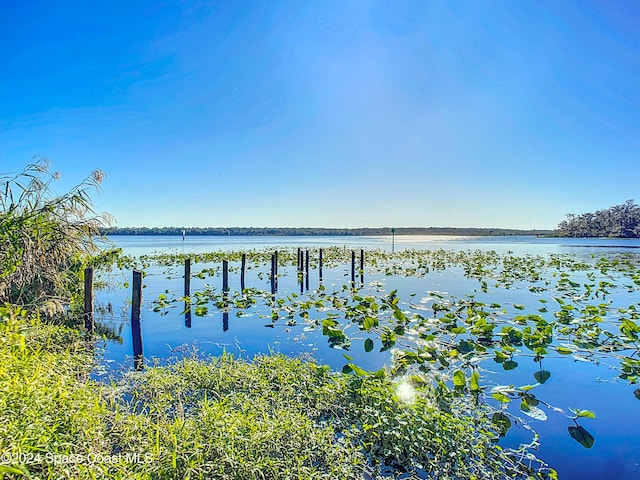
x,y
224,418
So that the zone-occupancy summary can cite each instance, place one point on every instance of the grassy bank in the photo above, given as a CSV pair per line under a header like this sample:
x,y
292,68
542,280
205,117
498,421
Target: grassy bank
x,y
225,418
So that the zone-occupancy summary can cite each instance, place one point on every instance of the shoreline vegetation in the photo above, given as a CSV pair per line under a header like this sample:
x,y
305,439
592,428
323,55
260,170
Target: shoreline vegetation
x,y
313,231
618,221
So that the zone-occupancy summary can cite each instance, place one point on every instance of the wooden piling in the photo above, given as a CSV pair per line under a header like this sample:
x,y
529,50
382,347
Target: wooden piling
x,y
242,269
225,276
88,300
136,333
275,255
353,268
320,266
273,274
362,266
187,277
306,270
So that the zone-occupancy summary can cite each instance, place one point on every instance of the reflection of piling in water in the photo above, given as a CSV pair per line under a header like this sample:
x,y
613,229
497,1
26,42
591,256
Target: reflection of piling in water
x,y
88,300
320,266
136,334
362,267
225,321
225,313
187,314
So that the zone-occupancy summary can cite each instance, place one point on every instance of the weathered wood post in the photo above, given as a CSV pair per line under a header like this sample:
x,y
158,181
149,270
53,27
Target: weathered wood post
x,y
225,276
242,268
362,267
136,333
88,300
275,261
320,266
353,268
393,240
306,270
273,274
187,277
301,271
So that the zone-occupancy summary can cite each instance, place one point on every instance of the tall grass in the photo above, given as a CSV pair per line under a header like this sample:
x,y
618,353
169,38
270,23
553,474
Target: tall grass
x,y
45,238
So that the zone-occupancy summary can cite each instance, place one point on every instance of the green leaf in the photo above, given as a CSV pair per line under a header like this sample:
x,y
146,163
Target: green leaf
x,y
465,346
542,376
509,365
526,388
582,436
474,382
368,345
532,411
501,397
347,368
502,423
369,323
584,413
361,372
564,350
459,380
399,315
12,470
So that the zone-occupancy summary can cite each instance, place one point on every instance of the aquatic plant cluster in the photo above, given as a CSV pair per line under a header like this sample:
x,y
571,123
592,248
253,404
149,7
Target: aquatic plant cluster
x,y
573,307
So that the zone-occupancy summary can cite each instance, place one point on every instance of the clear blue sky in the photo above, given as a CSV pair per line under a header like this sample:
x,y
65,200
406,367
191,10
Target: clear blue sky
x,y
328,113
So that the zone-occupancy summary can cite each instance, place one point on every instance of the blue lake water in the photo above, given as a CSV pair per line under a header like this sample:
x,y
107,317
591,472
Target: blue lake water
x,y
574,384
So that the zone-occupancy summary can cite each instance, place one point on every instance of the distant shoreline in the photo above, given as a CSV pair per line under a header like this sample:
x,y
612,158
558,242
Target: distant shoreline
x,y
304,231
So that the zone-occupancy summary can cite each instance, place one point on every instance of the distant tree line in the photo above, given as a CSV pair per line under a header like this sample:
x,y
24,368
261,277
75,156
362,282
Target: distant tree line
x,y
619,221
302,231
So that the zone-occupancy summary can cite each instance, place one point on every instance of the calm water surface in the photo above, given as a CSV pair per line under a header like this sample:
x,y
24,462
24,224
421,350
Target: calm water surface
x,y
615,455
